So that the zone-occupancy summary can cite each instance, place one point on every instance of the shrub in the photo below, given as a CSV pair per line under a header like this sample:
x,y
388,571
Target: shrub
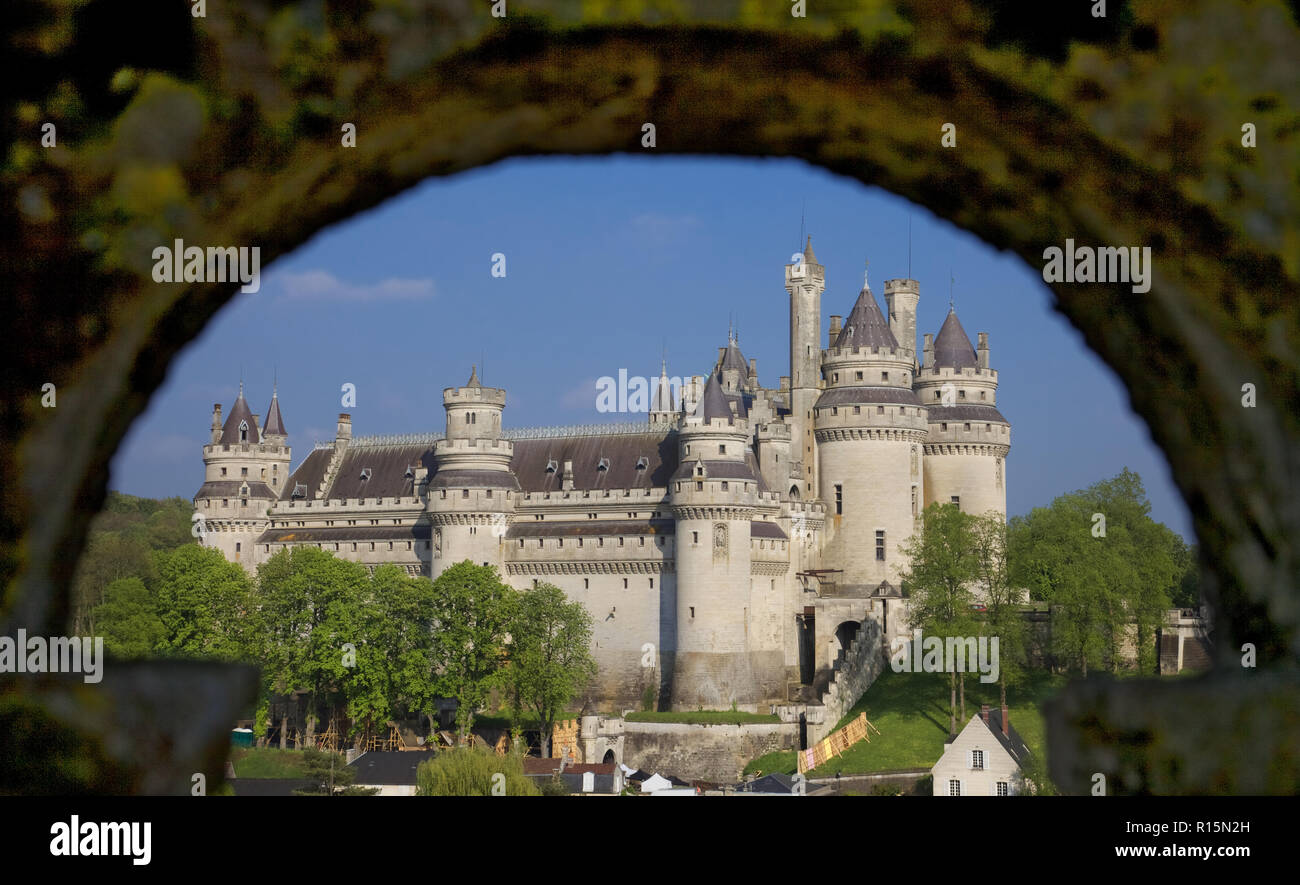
x,y
471,771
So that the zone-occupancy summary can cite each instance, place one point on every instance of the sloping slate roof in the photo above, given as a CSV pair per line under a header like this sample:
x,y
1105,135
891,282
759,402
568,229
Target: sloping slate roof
x,y
474,479
590,527
387,471
268,786
534,765
382,768
866,325
848,396
310,472
952,346
659,450
717,470
274,422
1014,743
238,412
229,488
966,413
742,401
417,532
760,529
388,465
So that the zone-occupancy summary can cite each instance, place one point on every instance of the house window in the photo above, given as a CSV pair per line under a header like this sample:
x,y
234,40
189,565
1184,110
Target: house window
x,y
243,471
586,583
236,546
977,760
692,611
880,545
699,486
695,539
443,493
966,427
1004,789
464,493
936,394
858,376
489,493
223,471
984,394
956,499
943,426
836,377
961,394
724,486
880,410
835,410
839,500
722,450
625,583
884,376
954,788
652,583
857,410
225,502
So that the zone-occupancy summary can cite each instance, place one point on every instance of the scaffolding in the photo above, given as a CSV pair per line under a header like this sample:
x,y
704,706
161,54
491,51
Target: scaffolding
x,y
836,743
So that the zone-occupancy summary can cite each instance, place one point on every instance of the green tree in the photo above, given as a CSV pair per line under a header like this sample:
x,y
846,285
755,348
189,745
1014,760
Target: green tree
x,y
1003,615
128,619
394,644
471,771
943,567
307,601
330,775
204,603
472,614
550,655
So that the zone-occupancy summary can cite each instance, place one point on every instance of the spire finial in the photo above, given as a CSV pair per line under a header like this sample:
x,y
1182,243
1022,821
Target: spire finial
x,y
866,267
951,280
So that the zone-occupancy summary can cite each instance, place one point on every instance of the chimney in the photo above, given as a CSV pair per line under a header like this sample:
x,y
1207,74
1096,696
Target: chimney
x,y
722,351
753,367
1006,721
345,427
785,382
984,713
835,329
568,476
927,350
216,423
984,350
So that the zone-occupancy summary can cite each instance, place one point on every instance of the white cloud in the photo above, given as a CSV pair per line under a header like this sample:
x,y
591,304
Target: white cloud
x,y
322,284
583,396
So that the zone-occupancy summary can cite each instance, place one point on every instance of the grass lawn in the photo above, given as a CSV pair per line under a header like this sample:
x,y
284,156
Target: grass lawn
x,y
707,717
911,711
782,762
266,762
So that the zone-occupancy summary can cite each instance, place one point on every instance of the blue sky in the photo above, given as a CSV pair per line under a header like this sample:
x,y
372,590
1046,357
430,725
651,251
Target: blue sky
x,y
610,261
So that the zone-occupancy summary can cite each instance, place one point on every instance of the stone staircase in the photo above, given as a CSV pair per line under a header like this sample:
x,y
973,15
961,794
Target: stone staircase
x,y
854,670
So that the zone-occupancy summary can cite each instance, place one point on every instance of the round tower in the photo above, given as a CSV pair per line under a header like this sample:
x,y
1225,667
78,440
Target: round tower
x,y
471,494
805,280
968,439
870,427
245,468
713,494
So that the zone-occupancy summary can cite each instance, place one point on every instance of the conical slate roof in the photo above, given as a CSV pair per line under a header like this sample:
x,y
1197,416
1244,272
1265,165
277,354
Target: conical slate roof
x,y
866,325
732,358
952,345
808,256
239,413
714,402
274,423
664,395
473,377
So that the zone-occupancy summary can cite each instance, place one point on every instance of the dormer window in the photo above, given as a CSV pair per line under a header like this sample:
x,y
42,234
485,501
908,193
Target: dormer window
x,y
410,472
552,466
642,462
365,473
299,491
243,431
603,465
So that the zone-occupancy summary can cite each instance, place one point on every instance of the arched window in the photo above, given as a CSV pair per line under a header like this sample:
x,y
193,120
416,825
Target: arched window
x,y
243,431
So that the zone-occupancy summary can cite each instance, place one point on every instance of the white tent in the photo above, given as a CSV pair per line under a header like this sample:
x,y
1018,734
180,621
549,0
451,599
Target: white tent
x,y
654,783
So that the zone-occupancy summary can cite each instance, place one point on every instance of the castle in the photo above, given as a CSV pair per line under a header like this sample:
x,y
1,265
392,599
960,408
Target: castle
x,y
728,550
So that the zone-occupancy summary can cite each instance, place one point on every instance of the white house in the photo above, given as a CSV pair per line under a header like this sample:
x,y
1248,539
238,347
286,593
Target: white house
x,y
984,760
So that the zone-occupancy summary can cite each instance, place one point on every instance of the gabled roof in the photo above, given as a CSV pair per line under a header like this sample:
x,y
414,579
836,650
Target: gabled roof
x,y
388,768
714,402
952,348
866,325
274,423
240,413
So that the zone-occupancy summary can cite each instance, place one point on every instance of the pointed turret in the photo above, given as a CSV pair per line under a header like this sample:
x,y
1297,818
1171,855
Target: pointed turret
x,y
952,347
714,402
239,427
274,421
473,377
662,409
866,325
808,256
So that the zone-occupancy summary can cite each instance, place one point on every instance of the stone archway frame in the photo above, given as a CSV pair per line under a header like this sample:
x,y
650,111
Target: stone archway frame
x,y
1031,170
